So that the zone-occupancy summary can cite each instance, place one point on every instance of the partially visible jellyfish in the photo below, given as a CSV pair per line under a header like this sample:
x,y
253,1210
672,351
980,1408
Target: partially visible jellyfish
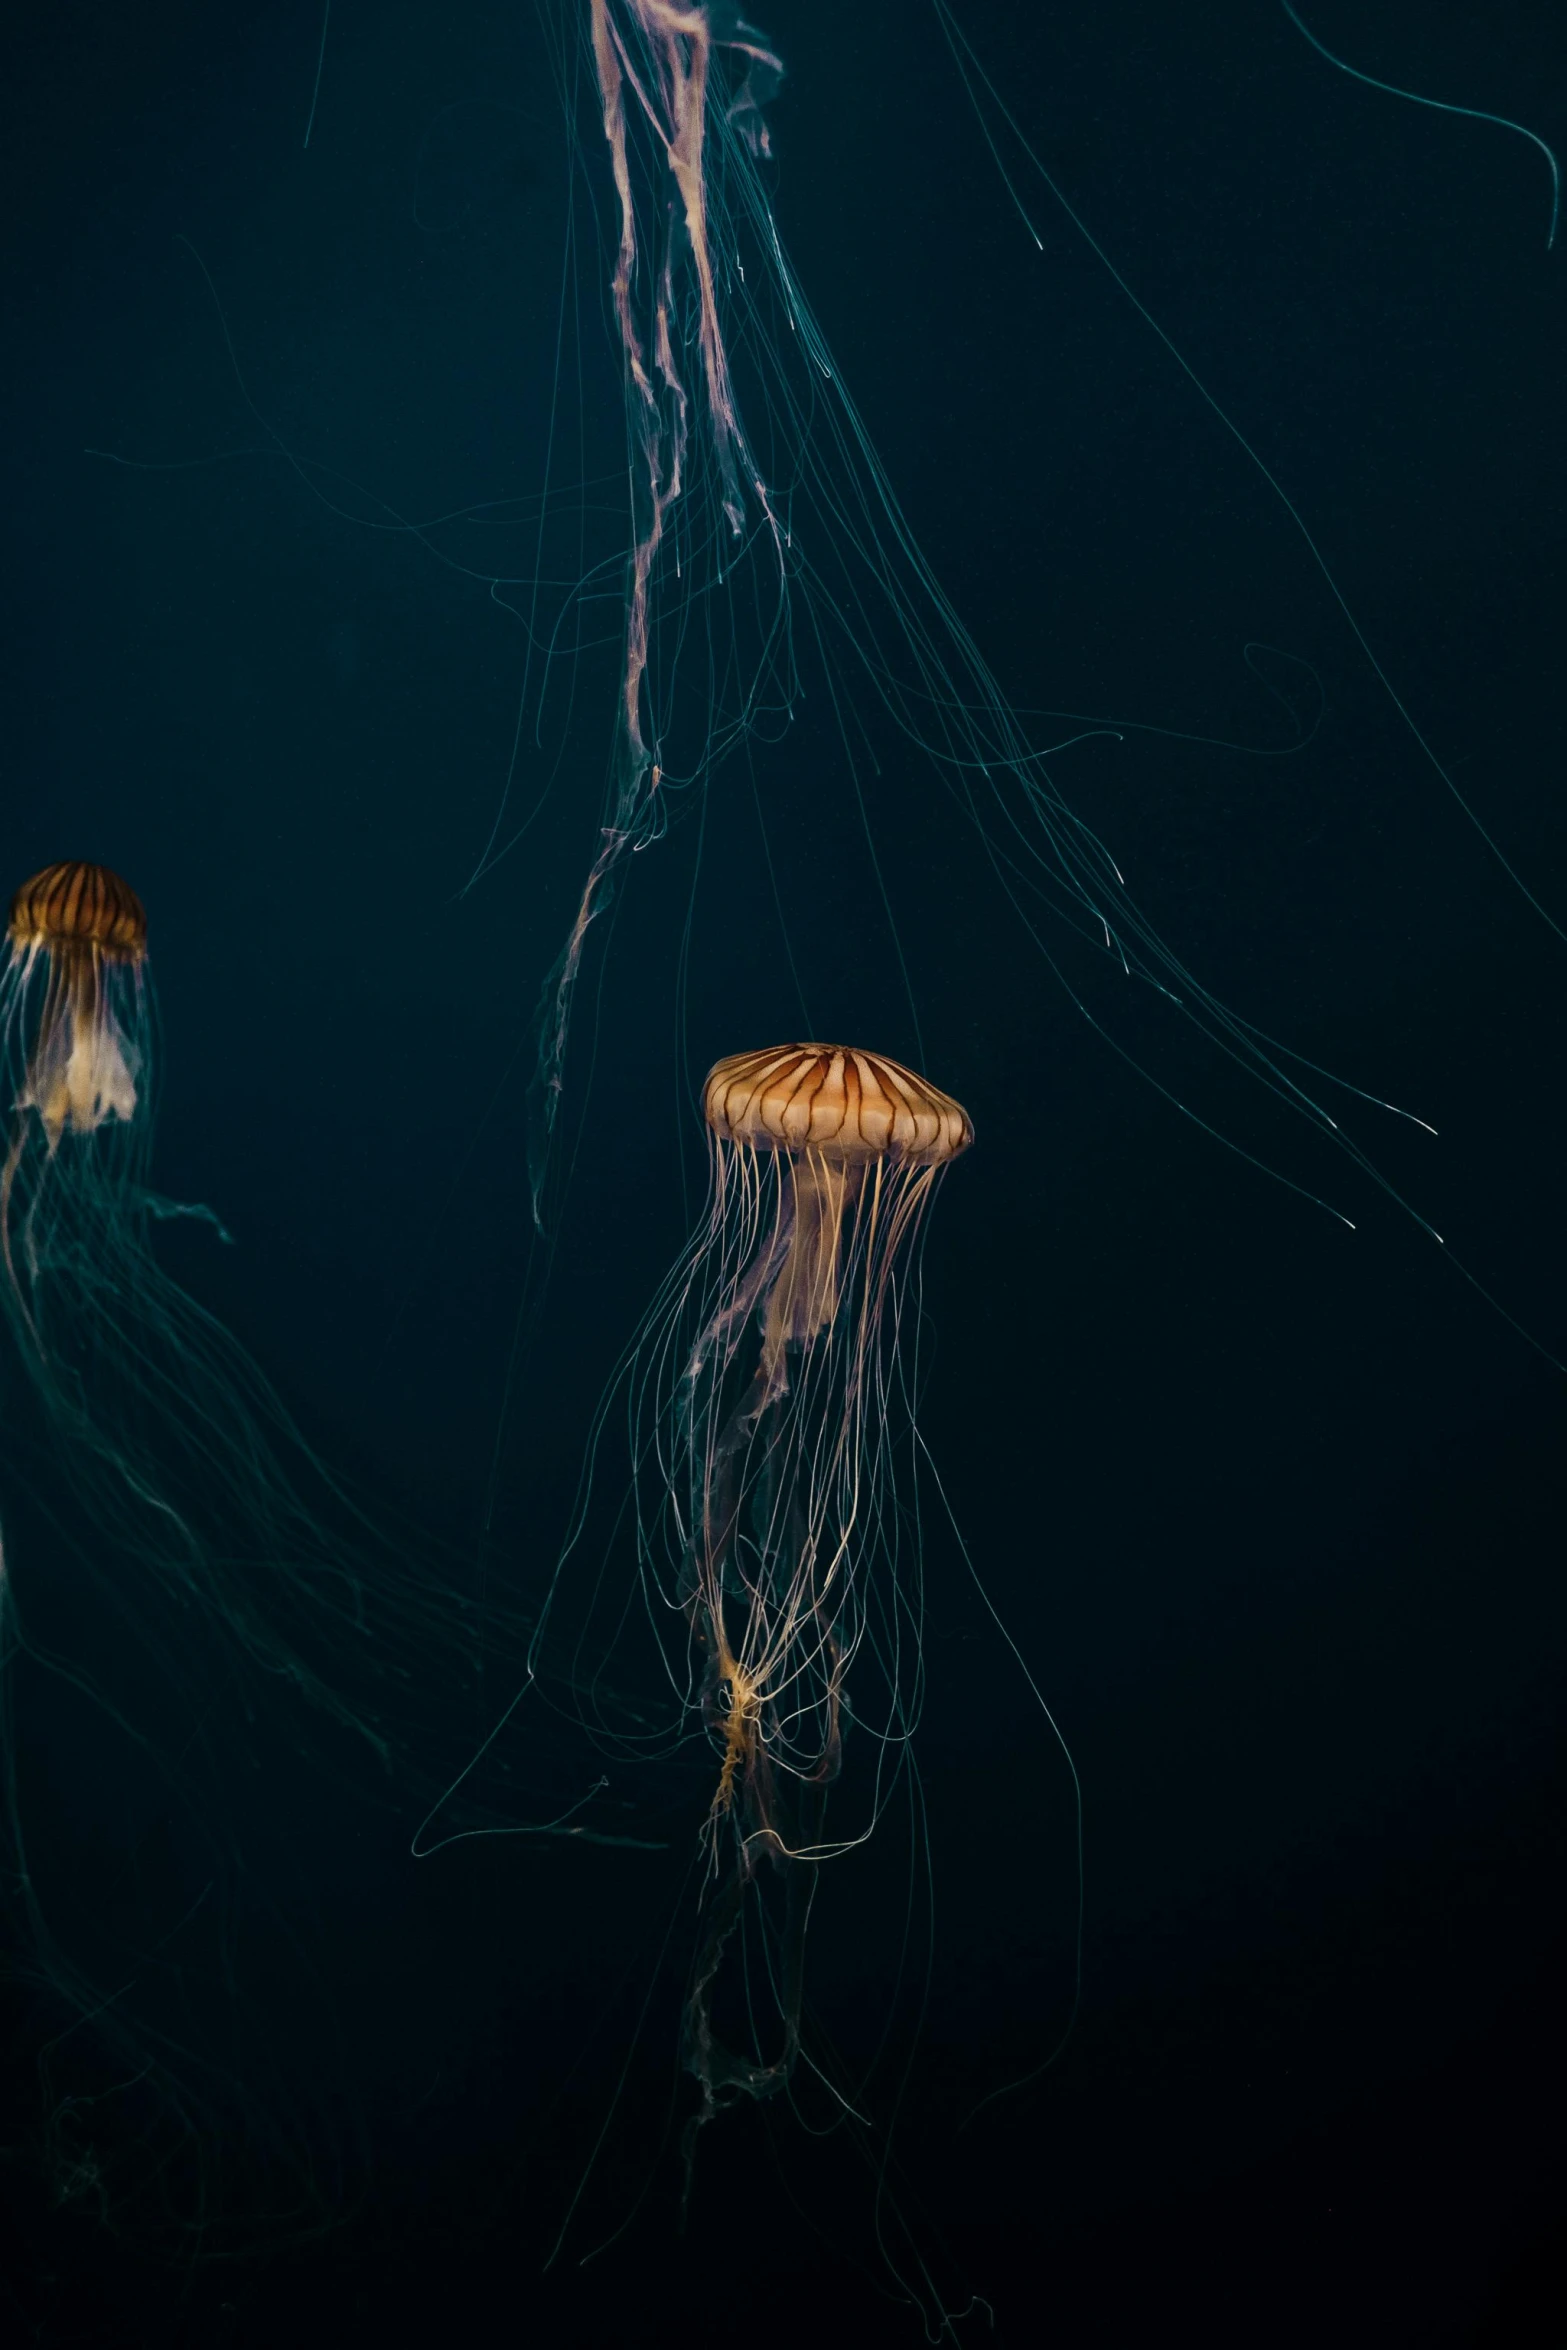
x,y
78,933
768,1395
171,1434
191,1609
179,1447
786,538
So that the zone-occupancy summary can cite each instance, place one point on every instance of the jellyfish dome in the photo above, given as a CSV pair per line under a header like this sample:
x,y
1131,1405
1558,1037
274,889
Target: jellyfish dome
x,y
831,1098
80,932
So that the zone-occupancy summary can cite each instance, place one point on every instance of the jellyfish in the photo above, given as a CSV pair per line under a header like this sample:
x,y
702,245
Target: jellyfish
x,y
82,932
768,1397
824,1161
173,1438
192,1606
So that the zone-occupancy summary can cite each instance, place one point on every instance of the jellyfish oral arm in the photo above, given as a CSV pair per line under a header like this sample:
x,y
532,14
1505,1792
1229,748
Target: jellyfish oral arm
x,y
662,55
81,1071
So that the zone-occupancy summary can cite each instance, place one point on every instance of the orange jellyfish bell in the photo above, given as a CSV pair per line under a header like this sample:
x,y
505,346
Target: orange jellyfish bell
x,y
80,905
836,1100
86,930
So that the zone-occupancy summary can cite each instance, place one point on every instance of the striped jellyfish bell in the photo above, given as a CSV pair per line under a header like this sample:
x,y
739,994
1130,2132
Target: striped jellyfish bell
x,y
836,1100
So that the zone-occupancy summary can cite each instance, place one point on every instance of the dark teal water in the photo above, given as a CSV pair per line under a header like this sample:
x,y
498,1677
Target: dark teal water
x,y
1271,1508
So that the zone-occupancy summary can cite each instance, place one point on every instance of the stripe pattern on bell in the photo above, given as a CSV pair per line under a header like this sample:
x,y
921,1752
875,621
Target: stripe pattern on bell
x,y
834,1099
80,905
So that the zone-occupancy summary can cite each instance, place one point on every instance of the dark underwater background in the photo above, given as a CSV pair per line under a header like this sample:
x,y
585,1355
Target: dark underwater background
x,y
1271,1508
